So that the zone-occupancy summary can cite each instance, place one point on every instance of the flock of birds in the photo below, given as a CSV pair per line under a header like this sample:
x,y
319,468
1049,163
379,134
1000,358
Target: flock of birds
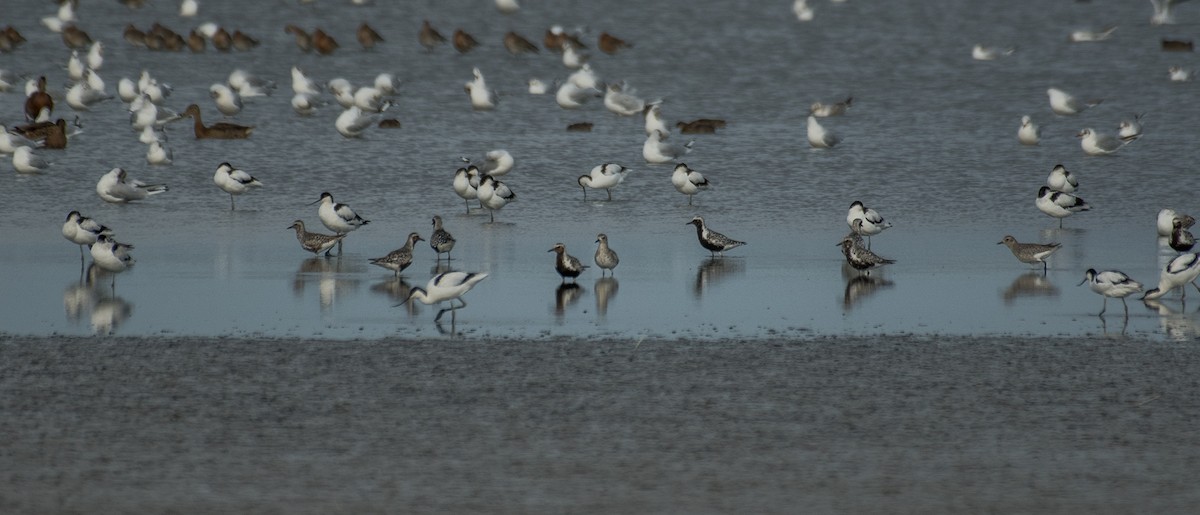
x,y
481,180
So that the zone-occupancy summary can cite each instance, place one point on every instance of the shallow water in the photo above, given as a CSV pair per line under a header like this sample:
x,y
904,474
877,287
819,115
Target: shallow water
x,y
930,142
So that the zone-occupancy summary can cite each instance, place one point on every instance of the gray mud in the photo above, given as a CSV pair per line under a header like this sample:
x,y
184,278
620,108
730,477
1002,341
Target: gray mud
x,y
886,424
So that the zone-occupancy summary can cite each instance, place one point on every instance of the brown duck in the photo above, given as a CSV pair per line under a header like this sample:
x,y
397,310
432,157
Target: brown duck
x,y
610,44
367,37
516,44
463,42
303,40
429,36
219,130
38,100
324,43
56,135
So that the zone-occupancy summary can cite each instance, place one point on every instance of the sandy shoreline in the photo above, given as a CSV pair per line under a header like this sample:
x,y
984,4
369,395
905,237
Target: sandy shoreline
x,y
896,424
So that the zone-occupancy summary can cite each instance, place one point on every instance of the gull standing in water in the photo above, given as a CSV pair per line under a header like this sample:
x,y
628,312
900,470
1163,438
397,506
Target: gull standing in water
x,y
1031,253
1130,129
819,137
620,99
1029,133
1061,180
81,230
441,241
605,257
1063,103
117,187
1111,283
657,150
1059,204
711,240
565,264
1095,144
688,181
446,286
315,242
399,259
1182,270
25,161
603,177
338,218
234,181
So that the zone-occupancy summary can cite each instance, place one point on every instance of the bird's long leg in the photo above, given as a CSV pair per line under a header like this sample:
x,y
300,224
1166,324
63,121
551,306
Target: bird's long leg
x,y
1105,308
492,215
231,206
1060,223
1126,307
1044,268
689,200
609,194
468,204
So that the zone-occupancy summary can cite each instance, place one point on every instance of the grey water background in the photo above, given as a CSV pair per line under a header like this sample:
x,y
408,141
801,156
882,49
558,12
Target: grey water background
x,y
930,142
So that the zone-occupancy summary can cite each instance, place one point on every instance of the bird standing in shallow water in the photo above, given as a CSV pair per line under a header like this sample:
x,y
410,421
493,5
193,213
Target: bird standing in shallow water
x,y
711,240
315,242
339,218
1059,204
1181,239
446,286
1111,283
1182,270
565,264
234,181
688,181
606,258
1060,179
603,177
441,241
859,256
399,259
870,221
1030,252
81,230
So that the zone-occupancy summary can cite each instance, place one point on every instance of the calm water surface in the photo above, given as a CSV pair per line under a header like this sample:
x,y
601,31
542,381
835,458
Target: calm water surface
x,y
930,142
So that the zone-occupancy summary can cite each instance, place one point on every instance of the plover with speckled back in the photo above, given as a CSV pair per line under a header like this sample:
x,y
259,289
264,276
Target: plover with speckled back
x,y
565,264
711,240
1031,253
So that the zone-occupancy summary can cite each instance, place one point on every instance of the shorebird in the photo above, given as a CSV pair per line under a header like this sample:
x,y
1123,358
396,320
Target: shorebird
x,y
656,149
234,181
603,177
1060,179
315,242
446,286
338,218
1111,283
1184,269
399,259
1031,253
1181,239
565,264
1059,204
859,256
111,256
820,110
688,181
819,137
711,240
606,258
494,195
466,184
871,222
82,231
441,241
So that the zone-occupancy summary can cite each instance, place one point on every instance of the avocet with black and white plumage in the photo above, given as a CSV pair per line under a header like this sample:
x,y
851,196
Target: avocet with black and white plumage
x,y
111,256
603,177
1182,270
1111,283
1059,204
872,222
494,195
1060,179
466,184
688,181
446,286
234,181
81,230
339,218
1166,221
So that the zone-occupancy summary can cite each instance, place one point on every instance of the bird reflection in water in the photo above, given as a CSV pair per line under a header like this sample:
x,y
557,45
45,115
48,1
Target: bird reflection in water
x,y
91,295
1179,325
396,290
1031,284
326,273
440,268
860,285
606,290
713,270
565,295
